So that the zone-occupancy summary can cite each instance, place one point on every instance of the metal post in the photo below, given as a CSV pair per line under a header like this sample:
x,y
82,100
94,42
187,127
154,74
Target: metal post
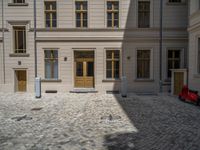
x,y
161,42
3,44
35,45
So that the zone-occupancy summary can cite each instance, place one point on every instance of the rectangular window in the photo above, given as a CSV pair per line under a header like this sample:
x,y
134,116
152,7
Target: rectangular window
x,y
174,60
19,1
113,14
51,64
143,14
19,39
50,14
143,64
81,14
198,63
112,64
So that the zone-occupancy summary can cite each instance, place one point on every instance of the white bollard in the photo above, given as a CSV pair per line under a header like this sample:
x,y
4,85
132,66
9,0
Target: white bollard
x,y
124,86
38,87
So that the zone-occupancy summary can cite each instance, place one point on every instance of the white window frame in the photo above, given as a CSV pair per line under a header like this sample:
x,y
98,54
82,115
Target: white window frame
x,y
151,63
151,13
104,63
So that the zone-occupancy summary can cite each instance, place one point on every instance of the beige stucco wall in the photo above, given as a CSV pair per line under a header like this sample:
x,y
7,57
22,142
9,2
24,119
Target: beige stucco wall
x,y
128,38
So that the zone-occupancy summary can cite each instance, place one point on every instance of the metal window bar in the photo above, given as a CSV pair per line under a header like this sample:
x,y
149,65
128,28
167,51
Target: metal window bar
x,y
19,49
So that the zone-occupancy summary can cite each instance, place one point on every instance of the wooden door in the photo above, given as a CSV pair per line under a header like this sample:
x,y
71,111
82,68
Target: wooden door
x,y
84,70
21,80
178,82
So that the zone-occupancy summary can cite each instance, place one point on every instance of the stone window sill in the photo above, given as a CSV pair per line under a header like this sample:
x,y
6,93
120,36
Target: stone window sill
x,y
19,55
17,4
51,80
144,80
111,80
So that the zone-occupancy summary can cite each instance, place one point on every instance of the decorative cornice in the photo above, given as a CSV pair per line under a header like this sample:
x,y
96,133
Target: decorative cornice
x,y
18,22
107,39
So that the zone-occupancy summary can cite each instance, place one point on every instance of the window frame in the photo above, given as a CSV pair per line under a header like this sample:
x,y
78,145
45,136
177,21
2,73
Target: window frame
x,y
106,14
52,74
15,51
50,12
150,13
151,77
105,63
82,11
14,2
173,59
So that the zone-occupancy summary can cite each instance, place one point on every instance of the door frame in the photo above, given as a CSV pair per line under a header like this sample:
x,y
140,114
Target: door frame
x,y
15,78
73,63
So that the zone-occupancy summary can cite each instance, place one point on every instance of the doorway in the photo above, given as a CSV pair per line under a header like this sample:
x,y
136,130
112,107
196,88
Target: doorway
x,y
20,81
84,69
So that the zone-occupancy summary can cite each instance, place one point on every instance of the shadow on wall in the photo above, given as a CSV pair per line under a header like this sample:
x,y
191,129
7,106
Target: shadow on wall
x,y
159,125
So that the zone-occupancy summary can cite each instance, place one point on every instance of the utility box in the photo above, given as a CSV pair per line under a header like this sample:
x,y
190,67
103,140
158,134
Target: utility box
x,y
124,87
179,79
38,87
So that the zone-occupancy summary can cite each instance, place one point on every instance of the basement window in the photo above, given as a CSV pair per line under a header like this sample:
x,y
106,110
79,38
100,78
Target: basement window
x,y
18,3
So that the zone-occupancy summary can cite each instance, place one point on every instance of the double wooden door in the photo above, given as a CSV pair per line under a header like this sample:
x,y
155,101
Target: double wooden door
x,y
20,81
84,70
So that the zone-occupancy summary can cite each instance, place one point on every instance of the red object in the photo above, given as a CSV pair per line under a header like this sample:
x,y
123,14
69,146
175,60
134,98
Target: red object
x,y
188,95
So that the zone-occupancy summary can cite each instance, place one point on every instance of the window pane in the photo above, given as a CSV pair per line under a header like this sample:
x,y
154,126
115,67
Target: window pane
x,y
47,69
143,64
79,69
116,69
143,14
51,64
55,69
173,61
109,5
90,69
20,39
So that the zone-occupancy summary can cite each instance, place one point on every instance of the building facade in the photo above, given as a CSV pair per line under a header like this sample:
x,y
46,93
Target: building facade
x,y
194,45
90,44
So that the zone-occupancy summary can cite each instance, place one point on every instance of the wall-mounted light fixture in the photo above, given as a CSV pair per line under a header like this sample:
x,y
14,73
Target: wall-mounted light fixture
x,y
128,57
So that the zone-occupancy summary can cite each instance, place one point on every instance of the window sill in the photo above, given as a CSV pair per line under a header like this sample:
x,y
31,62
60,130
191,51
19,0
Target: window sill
x,y
19,55
197,76
51,80
111,80
144,80
17,4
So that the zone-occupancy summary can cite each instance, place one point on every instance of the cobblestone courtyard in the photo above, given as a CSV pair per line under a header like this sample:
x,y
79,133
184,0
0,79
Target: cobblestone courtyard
x,y
97,122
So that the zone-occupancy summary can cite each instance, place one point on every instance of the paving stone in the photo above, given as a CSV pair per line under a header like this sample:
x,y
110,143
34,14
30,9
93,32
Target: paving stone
x,y
69,121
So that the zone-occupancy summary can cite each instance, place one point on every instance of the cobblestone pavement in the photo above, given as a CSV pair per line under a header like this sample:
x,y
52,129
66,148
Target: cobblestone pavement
x,y
97,122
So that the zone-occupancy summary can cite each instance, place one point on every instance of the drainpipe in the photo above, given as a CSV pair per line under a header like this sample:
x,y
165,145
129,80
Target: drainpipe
x,y
3,44
35,45
161,42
